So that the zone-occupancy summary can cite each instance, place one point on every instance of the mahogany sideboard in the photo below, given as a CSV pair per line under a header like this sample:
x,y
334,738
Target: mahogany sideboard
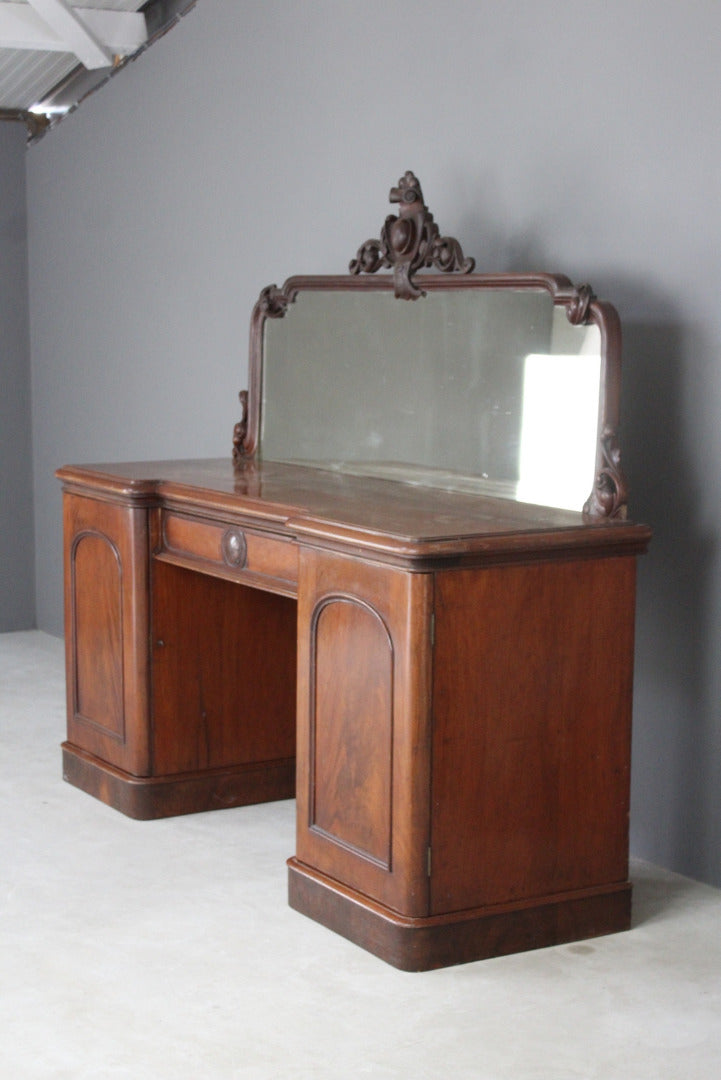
x,y
463,690
441,677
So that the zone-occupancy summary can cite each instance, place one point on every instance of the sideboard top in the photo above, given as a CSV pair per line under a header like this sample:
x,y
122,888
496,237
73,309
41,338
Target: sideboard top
x,y
325,506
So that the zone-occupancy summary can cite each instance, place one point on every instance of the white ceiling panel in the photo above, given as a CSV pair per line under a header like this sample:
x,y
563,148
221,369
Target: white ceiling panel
x,y
26,76
66,55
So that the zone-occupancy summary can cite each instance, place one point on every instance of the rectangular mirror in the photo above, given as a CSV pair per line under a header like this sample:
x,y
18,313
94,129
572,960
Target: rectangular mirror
x,y
488,390
502,385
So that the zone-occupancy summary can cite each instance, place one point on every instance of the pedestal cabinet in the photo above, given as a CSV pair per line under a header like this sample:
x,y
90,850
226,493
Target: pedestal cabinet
x,y
467,793
181,684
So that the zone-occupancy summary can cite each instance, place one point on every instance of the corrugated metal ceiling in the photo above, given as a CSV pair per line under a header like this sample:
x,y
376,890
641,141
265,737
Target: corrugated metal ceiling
x,y
51,83
26,76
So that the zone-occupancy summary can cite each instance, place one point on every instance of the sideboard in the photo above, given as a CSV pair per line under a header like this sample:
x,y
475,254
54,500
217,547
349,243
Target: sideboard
x,y
436,665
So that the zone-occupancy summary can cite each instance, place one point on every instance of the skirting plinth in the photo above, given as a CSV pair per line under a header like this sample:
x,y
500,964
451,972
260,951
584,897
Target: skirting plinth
x,y
421,944
146,797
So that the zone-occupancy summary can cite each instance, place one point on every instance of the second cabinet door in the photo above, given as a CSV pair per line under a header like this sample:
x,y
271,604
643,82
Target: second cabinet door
x,y
364,727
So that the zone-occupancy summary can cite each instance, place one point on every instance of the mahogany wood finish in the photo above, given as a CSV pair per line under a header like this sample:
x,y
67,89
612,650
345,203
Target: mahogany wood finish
x,y
422,944
443,678
531,736
232,704
181,685
462,688
364,726
516,761
107,576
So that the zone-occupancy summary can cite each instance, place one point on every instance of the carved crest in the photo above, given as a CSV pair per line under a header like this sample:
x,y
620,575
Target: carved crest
x,y
410,241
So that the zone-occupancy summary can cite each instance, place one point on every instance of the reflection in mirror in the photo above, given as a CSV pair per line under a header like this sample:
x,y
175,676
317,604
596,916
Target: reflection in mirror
x,y
559,426
486,390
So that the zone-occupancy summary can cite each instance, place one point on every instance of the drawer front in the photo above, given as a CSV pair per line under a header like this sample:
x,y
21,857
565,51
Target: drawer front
x,y
228,549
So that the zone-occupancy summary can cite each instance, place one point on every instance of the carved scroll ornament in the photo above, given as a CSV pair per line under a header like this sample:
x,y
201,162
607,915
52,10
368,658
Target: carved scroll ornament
x,y
609,497
273,302
240,431
410,241
577,308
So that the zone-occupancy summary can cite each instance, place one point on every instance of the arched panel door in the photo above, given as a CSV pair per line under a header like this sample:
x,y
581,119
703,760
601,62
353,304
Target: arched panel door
x,y
97,613
107,631
363,727
351,728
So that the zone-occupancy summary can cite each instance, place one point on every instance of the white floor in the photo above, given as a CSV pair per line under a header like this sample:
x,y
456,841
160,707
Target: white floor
x,y
166,949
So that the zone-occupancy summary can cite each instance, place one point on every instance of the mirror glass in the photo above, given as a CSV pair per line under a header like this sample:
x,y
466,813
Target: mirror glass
x,y
485,390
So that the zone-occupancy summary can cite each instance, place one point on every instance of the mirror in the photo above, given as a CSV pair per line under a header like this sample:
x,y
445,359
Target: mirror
x,y
500,385
489,390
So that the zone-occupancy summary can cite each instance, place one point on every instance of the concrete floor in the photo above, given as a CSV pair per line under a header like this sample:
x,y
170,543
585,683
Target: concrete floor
x,y
166,949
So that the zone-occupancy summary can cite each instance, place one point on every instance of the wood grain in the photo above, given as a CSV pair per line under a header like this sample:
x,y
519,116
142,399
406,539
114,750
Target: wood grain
x,y
106,630
461,686
224,660
532,714
351,734
364,726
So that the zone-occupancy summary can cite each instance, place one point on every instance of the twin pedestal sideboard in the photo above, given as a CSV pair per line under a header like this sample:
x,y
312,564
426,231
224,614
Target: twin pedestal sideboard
x,y
443,681
408,601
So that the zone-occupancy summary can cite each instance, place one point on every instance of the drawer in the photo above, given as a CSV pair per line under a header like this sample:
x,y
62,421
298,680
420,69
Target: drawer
x,y
229,550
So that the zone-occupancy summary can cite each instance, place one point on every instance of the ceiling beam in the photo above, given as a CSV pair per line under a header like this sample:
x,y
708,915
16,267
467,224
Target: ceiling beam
x,y
95,36
61,18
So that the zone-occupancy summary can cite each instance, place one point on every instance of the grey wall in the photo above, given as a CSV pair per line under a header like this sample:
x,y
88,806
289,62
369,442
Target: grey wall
x,y
17,570
258,140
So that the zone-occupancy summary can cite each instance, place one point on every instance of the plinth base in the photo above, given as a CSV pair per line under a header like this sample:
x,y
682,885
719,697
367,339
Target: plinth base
x,y
421,944
146,797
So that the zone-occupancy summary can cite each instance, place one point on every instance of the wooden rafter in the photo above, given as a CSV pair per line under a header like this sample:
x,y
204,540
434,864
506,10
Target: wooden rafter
x,y
95,36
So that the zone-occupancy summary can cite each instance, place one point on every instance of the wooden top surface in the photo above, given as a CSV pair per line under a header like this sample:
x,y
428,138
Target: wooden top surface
x,y
395,517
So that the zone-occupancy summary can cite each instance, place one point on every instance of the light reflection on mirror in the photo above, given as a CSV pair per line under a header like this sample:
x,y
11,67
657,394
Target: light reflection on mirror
x,y
490,391
560,411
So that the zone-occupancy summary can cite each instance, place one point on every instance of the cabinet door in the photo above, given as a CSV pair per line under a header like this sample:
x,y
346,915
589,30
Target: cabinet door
x,y
364,727
106,630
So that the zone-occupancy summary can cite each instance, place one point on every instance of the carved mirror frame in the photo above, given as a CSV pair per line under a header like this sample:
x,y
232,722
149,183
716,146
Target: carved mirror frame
x,y
409,243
